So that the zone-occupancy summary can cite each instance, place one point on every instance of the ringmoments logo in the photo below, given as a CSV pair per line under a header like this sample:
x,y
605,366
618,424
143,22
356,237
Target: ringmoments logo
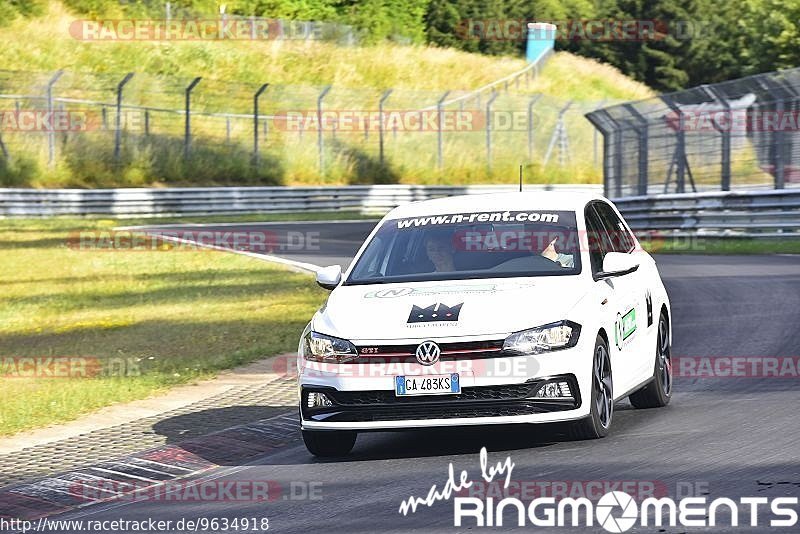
x,y
605,511
615,511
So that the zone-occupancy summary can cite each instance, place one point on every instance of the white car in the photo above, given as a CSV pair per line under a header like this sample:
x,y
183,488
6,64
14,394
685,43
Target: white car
x,y
486,309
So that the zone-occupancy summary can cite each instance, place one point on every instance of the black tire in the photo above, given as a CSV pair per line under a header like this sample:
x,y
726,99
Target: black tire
x,y
601,400
658,392
329,444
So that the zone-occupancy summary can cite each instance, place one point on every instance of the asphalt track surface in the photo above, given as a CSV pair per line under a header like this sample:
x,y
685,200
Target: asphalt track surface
x,y
722,436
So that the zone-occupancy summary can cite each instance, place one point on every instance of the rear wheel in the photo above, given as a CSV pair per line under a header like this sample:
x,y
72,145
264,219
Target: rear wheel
x,y
602,396
330,443
659,391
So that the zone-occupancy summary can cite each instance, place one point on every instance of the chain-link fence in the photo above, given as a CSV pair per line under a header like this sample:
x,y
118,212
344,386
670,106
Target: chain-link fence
x,y
739,134
97,128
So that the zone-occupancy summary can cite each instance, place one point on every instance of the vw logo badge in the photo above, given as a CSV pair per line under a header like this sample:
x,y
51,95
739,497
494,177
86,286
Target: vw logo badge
x,y
428,353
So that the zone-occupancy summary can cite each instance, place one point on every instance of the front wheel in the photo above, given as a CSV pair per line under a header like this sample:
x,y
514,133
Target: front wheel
x,y
659,391
602,396
328,444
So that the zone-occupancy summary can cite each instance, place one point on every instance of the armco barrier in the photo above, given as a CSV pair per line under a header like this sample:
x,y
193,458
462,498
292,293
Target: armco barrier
x,y
763,213
770,213
233,200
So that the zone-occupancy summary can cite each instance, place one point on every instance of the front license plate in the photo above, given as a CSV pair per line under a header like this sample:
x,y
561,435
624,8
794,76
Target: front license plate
x,y
406,386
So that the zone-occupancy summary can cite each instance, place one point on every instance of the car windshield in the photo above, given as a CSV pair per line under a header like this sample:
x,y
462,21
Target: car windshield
x,y
471,245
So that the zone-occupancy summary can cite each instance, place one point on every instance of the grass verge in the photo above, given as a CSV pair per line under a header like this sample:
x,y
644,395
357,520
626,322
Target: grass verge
x,y
710,245
163,318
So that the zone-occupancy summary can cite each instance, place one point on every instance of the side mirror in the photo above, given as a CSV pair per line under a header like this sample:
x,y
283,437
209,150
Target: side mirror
x,y
329,277
617,264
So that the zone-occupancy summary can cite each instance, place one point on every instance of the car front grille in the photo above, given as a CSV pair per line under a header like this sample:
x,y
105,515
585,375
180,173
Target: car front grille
x,y
464,350
479,401
437,412
503,392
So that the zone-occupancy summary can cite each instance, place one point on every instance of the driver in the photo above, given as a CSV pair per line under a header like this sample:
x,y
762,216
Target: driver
x,y
439,249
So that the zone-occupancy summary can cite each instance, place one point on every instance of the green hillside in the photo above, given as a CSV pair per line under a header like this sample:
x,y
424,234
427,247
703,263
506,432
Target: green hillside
x,y
296,70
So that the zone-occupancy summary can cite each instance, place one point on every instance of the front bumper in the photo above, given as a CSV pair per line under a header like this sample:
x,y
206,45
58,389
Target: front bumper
x,y
497,390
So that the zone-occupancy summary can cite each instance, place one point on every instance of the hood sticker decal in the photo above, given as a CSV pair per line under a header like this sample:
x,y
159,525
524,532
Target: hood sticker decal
x,y
419,291
434,313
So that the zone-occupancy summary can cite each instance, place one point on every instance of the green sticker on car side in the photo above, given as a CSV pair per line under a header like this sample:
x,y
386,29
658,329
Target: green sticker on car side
x,y
624,327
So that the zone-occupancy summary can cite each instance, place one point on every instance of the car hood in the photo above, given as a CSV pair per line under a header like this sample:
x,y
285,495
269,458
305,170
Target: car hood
x,y
446,309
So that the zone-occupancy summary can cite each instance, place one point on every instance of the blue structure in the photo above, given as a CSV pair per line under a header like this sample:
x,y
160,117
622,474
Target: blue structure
x,y
541,39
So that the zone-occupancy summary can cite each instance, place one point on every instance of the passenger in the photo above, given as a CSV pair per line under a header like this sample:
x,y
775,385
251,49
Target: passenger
x,y
550,252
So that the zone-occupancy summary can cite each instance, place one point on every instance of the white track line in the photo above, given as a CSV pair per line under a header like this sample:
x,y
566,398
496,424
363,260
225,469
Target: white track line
x,y
298,266
252,223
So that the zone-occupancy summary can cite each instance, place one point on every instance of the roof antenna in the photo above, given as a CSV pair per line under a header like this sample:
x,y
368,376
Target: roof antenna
x,y
520,178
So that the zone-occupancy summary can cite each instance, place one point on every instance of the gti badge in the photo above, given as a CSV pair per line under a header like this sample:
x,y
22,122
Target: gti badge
x,y
428,353
434,313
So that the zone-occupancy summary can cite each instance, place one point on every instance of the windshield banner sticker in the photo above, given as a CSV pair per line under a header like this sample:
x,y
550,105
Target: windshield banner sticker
x,y
482,217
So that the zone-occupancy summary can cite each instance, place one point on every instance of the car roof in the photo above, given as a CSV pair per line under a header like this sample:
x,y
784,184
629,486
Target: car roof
x,y
516,201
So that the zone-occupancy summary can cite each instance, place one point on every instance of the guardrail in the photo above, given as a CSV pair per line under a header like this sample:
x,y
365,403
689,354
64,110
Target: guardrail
x,y
765,213
136,202
772,213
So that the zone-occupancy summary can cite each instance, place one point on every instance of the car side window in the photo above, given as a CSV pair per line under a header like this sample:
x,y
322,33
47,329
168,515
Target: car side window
x,y
596,239
620,239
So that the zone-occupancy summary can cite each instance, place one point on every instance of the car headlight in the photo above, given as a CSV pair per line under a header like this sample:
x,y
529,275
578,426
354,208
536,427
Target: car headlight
x,y
549,337
321,348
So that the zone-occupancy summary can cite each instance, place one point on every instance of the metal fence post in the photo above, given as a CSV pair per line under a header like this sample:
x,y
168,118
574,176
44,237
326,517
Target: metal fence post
x,y
680,186
489,103
778,147
617,163
725,157
320,139
4,150
531,103
600,119
51,135
643,155
439,131
559,136
595,152
255,122
679,156
187,139
384,96
777,139
146,122
118,132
